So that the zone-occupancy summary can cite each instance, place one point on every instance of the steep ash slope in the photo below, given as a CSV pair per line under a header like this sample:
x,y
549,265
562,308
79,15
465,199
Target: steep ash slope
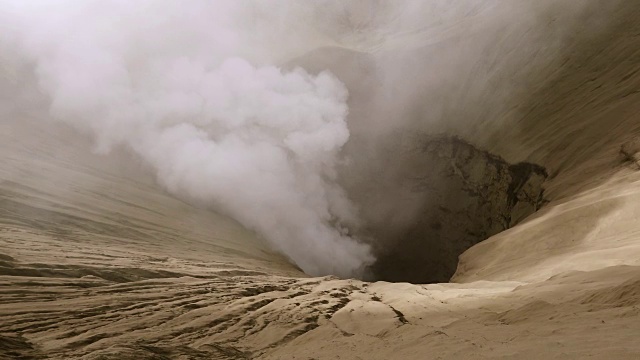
x,y
96,265
576,126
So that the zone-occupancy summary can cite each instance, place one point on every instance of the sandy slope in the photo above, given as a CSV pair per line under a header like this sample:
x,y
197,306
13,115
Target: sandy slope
x,y
97,262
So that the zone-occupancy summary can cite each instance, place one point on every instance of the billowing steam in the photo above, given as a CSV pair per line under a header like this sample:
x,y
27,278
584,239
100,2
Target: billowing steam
x,y
168,81
194,88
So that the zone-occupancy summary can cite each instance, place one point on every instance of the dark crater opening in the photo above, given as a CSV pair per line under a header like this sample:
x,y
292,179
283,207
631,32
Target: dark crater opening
x,y
447,196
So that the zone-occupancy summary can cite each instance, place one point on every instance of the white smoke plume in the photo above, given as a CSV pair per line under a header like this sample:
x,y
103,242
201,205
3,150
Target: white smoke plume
x,y
194,89
184,86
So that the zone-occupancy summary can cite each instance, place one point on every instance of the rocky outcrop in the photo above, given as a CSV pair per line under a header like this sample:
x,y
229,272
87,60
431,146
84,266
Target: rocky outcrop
x,y
468,195
630,152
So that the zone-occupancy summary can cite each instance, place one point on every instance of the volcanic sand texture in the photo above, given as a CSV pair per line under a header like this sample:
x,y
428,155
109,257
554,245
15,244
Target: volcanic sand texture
x,y
97,262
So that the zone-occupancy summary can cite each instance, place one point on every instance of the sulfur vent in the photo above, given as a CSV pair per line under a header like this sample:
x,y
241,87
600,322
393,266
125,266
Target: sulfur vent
x,y
467,195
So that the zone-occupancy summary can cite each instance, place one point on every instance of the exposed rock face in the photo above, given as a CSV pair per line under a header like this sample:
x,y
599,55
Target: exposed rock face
x,y
468,195
630,152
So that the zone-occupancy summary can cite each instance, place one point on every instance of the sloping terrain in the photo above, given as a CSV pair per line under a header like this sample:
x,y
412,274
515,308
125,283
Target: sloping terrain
x,y
462,195
97,262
